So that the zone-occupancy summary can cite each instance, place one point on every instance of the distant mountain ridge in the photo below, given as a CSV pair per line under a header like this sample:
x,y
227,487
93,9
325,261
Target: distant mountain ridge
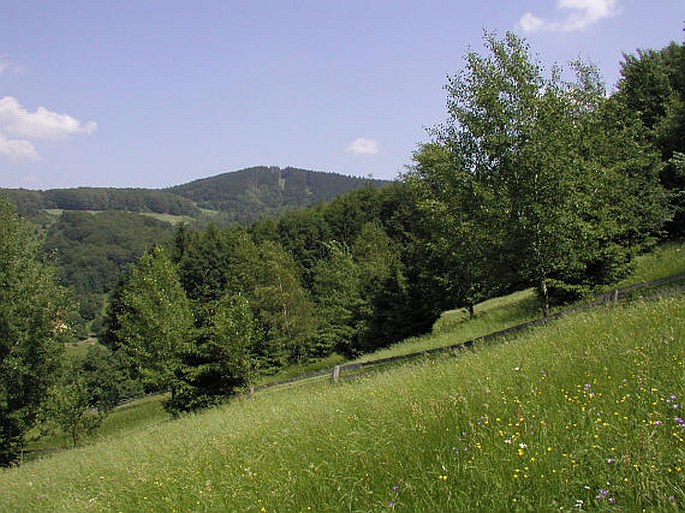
x,y
268,190
238,196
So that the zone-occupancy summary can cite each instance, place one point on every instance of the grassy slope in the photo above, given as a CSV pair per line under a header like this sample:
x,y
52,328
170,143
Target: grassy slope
x,y
580,410
666,260
140,414
503,312
453,327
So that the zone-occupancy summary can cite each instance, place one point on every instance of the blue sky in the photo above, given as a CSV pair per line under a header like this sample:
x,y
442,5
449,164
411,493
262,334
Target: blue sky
x,y
156,93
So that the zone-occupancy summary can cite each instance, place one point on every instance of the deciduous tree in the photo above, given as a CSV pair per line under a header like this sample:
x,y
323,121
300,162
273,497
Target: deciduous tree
x,y
32,330
156,322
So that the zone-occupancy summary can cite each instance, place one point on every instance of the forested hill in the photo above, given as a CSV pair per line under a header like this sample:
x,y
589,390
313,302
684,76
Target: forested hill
x,y
254,192
238,196
29,202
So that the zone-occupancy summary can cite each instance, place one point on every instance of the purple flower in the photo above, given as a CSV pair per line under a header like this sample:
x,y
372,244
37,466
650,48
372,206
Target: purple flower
x,y
602,494
391,504
612,500
611,460
680,421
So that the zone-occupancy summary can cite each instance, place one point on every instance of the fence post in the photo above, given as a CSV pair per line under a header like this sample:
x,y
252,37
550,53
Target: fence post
x,y
336,373
615,297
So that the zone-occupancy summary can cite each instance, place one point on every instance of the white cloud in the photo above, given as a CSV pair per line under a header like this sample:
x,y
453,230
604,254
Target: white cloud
x,y
16,150
41,124
7,65
362,146
20,127
584,13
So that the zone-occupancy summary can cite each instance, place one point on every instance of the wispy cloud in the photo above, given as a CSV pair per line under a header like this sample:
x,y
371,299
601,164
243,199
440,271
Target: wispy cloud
x,y
362,146
17,149
7,65
19,128
582,15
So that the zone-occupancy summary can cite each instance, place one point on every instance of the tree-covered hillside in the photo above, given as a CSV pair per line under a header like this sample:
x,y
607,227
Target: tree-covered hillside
x,y
245,196
237,196
93,250
29,203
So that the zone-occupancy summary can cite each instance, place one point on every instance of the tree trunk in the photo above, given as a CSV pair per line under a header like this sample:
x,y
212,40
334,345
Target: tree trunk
x,y
544,296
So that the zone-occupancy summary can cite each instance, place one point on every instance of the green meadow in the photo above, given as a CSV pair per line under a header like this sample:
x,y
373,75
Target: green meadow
x,y
580,415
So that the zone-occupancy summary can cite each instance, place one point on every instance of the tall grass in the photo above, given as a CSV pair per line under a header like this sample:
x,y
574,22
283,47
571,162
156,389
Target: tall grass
x,y
665,260
579,415
139,414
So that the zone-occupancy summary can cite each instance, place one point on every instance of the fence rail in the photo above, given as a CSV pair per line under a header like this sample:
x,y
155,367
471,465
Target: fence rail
x,y
600,299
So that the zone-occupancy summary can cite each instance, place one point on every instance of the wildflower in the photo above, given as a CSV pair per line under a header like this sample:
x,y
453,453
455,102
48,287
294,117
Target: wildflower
x,y
680,421
391,504
603,494
611,460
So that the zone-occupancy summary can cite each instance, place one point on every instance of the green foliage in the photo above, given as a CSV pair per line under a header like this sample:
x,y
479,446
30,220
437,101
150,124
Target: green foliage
x,y
363,297
86,391
90,198
223,357
304,233
32,330
156,322
247,195
546,175
338,297
652,86
224,271
283,309
217,261
93,249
